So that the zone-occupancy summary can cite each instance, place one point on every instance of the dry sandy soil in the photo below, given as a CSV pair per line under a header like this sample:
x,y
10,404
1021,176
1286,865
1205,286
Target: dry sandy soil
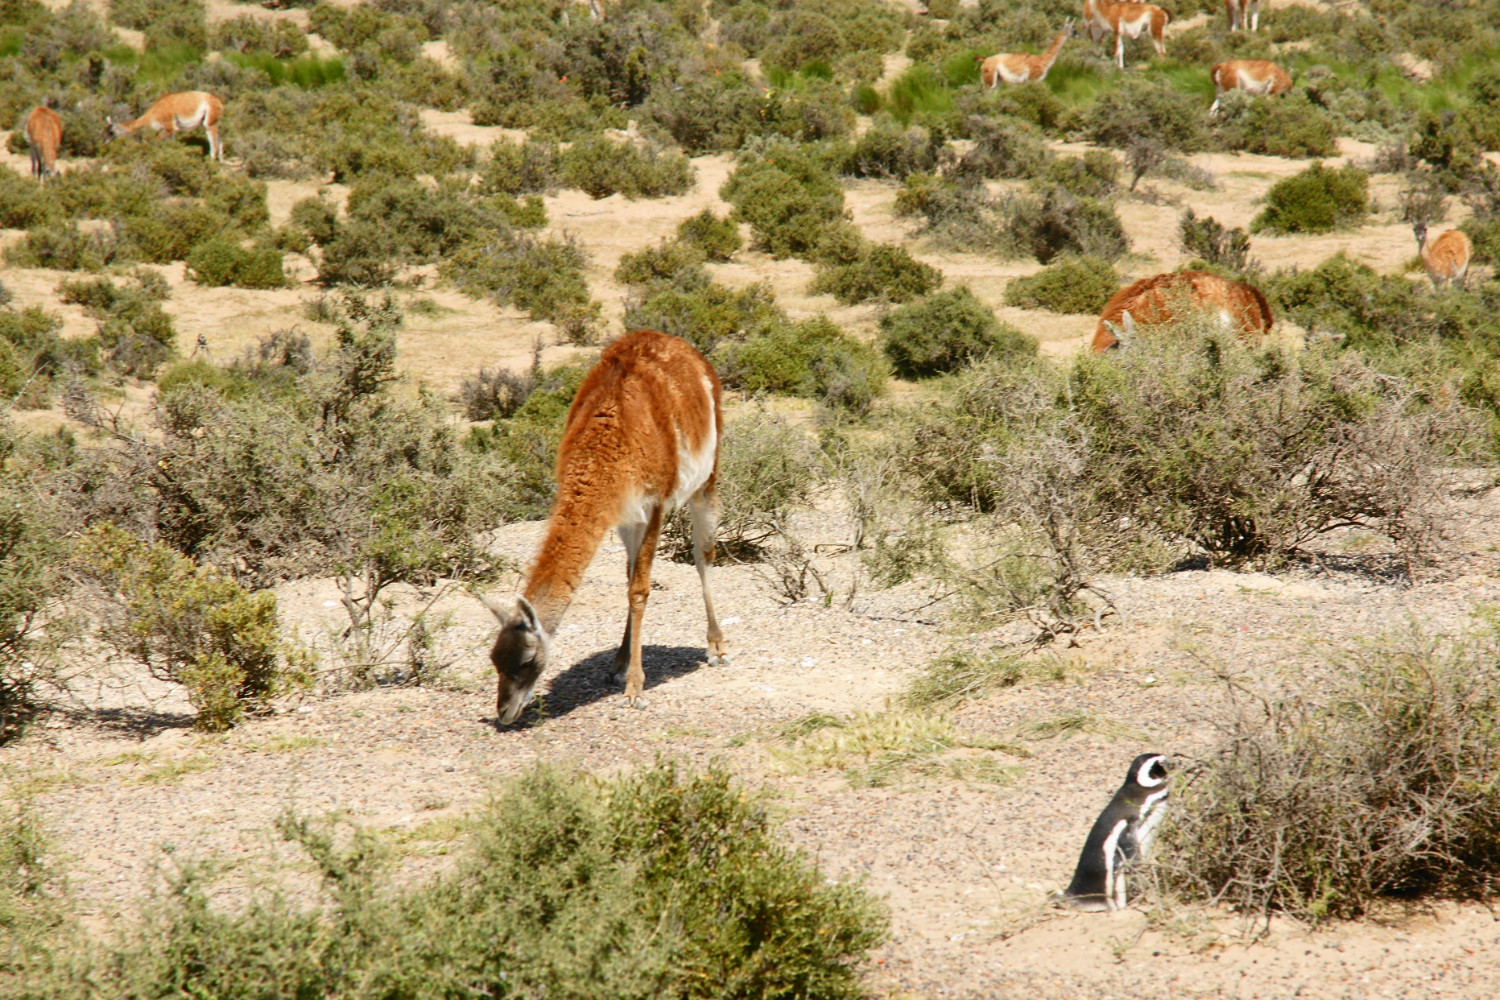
x,y
966,867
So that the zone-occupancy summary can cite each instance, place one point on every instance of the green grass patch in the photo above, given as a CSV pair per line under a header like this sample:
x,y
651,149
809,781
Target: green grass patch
x,y
308,71
878,749
174,771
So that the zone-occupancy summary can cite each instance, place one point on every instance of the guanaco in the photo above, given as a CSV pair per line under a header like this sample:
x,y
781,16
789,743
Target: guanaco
x,y
641,438
1244,15
1446,257
1122,19
182,111
44,131
1020,67
1158,299
1259,77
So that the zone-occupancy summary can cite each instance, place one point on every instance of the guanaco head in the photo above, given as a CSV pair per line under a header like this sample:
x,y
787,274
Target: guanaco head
x,y
1070,28
1419,229
519,656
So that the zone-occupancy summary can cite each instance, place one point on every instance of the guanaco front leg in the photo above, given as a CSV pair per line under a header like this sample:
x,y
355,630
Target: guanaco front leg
x,y
640,591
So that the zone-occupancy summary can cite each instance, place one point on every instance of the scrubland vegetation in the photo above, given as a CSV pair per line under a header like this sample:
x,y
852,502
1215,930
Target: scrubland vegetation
x,y
1012,485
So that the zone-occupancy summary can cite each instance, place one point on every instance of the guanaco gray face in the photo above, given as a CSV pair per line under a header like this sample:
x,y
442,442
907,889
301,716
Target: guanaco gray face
x,y
1419,229
519,656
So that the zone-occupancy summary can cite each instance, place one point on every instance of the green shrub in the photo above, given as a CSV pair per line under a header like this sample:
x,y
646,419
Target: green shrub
x,y
666,884
882,271
531,167
168,232
33,554
717,239
189,624
813,358
223,261
1055,221
1290,126
1174,437
957,216
888,150
543,277
282,39
943,332
708,316
23,202
602,168
1095,174
673,262
1207,240
1068,285
787,195
363,253
1376,787
134,331
767,470
1317,200
319,465
725,111
1004,148
1145,108
34,345
68,248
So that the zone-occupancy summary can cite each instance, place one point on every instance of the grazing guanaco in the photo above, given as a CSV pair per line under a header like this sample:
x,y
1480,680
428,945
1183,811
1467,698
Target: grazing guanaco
x,y
1446,257
182,111
1020,67
1122,19
1244,15
1258,77
44,131
1158,299
641,438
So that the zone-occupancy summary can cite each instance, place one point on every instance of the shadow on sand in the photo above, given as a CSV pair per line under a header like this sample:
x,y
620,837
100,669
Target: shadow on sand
x,y
589,680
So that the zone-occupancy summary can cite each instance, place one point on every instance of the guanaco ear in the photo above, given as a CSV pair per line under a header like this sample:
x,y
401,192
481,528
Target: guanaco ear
x,y
1115,332
495,609
1127,321
529,614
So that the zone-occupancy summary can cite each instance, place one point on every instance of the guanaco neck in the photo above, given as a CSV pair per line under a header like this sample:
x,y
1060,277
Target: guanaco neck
x,y
1050,56
574,531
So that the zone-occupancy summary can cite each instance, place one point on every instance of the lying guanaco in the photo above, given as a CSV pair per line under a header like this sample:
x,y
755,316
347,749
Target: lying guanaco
x,y
1259,77
1157,299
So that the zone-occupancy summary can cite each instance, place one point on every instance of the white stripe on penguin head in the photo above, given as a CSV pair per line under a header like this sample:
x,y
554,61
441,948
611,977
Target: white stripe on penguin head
x,y
1143,774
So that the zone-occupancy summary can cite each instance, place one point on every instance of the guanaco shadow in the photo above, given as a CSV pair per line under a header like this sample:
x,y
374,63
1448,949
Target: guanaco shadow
x,y
590,680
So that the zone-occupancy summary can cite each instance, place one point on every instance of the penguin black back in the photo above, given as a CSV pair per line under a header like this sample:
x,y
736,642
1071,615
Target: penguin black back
x,y
1122,833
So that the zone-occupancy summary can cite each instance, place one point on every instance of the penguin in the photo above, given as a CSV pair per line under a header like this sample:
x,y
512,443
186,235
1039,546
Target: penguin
x,y
1122,833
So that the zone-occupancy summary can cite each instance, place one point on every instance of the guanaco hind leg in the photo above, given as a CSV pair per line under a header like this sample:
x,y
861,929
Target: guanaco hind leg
x,y
640,591
705,511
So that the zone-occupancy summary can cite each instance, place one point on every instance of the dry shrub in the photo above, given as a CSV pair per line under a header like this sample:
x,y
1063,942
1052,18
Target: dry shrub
x,y
1385,787
1175,435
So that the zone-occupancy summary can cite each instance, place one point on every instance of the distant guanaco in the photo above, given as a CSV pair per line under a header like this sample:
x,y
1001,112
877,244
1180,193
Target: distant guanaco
x,y
1121,19
180,112
1244,15
1258,77
44,131
1446,257
1020,67
1240,306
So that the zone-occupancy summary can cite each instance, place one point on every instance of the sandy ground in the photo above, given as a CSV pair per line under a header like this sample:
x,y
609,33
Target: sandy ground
x,y
966,867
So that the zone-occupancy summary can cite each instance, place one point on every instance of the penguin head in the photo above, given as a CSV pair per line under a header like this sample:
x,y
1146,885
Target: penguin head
x,y
1147,772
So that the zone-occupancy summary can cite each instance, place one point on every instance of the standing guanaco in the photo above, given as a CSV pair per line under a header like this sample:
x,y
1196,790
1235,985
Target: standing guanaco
x,y
1122,19
180,112
641,438
1020,67
1446,257
1244,15
44,131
